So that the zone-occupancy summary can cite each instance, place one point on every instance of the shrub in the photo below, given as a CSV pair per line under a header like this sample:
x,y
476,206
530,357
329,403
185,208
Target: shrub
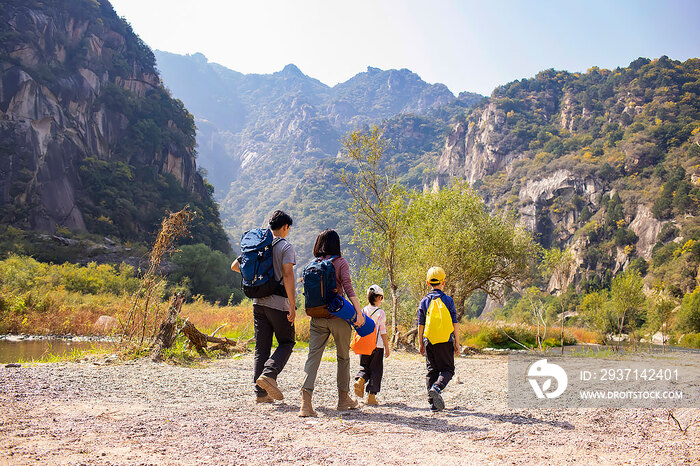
x,y
489,335
691,340
688,317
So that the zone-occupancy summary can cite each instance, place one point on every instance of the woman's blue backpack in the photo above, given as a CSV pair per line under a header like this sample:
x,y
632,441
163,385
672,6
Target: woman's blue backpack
x,y
256,264
319,286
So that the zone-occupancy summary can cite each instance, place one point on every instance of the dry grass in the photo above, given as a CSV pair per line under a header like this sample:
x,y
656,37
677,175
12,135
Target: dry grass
x,y
144,317
582,335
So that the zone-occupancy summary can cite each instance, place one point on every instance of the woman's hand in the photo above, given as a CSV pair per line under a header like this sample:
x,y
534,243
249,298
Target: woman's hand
x,y
359,315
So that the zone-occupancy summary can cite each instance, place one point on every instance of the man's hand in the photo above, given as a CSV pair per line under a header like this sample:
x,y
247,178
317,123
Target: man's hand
x,y
291,315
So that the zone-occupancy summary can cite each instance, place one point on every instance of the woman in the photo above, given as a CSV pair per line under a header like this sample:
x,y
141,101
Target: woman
x,y
328,245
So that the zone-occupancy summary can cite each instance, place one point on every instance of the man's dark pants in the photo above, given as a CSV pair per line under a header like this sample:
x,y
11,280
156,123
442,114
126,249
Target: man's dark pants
x,y
440,361
269,322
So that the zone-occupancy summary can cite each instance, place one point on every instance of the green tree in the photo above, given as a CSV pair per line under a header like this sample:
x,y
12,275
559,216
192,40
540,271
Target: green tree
x,y
688,318
560,265
377,206
661,306
596,313
478,250
205,272
627,300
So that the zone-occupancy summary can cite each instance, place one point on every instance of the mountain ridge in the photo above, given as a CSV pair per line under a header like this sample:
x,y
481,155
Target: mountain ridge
x,y
270,129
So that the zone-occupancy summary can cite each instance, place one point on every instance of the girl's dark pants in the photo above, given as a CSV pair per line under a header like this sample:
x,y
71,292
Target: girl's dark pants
x,y
440,361
270,322
372,369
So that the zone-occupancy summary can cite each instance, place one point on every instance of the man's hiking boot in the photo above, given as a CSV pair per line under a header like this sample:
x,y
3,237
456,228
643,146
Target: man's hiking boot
x,y
436,398
306,409
264,399
360,387
372,400
270,386
345,401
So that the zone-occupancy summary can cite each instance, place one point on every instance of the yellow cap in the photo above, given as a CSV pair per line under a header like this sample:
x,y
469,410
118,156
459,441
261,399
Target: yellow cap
x,y
436,275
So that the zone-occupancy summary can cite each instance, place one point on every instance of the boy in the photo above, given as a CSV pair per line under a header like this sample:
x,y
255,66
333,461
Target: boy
x,y
437,321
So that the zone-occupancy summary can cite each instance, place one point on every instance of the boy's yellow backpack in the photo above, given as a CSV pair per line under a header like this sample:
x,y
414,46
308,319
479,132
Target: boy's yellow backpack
x,y
438,322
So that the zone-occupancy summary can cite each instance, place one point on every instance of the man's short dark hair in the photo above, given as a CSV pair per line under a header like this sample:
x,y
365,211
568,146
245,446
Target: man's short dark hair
x,y
279,219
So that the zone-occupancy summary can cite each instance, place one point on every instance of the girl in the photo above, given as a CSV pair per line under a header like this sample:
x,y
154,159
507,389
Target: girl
x,y
373,364
327,245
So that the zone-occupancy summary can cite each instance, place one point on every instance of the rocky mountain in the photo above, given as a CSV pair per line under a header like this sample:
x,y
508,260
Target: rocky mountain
x,y
271,141
90,140
606,162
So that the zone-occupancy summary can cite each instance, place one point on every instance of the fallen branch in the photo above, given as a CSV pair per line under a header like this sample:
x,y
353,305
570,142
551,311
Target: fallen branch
x,y
219,328
199,341
680,427
406,341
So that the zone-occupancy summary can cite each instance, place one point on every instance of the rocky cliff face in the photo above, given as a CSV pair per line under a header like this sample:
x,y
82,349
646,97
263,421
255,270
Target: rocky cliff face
x,y
71,76
593,161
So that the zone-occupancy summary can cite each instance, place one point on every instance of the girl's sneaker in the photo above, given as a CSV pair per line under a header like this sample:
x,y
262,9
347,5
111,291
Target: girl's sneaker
x,y
436,398
372,400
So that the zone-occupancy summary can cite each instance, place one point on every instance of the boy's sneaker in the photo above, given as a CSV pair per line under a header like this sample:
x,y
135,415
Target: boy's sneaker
x,y
360,387
270,386
264,399
436,398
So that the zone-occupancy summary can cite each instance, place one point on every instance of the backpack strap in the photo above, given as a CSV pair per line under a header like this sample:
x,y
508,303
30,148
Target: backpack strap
x,y
281,290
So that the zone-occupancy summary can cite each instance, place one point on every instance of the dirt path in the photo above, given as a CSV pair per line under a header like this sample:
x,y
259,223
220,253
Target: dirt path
x,y
143,412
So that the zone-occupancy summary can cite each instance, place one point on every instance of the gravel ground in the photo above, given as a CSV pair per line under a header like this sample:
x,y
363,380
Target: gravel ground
x,y
148,413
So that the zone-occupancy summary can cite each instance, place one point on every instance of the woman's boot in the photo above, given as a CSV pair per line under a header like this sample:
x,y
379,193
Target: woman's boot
x,y
345,401
306,409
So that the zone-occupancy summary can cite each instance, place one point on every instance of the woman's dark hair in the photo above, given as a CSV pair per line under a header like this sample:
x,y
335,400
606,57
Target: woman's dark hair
x,y
372,297
279,219
327,244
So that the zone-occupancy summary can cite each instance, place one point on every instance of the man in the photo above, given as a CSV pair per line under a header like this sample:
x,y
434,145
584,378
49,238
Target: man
x,y
274,314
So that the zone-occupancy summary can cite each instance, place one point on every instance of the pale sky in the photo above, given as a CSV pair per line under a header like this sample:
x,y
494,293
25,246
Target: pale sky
x,y
468,45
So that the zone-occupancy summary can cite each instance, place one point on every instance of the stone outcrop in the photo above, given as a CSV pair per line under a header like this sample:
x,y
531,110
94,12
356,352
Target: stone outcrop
x,y
647,229
475,149
54,113
561,185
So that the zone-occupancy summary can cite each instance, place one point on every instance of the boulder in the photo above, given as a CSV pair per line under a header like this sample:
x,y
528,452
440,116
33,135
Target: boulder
x,y
659,339
105,324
